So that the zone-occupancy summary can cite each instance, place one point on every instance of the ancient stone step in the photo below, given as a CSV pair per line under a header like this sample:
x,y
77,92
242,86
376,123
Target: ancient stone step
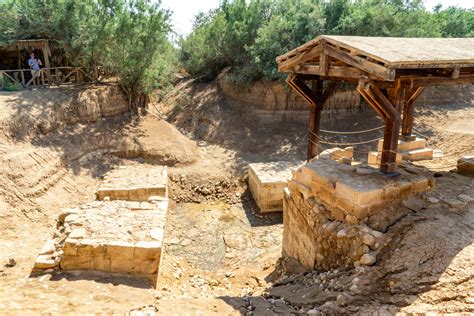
x,y
111,236
134,183
266,182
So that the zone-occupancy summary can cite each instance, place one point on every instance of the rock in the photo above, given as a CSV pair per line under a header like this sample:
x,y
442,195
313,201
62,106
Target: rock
x,y
157,233
11,263
466,165
78,233
342,233
453,202
313,312
48,248
369,240
351,219
414,203
465,198
45,262
433,200
361,170
293,266
368,259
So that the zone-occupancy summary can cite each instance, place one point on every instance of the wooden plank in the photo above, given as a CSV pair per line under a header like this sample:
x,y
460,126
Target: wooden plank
x,y
315,119
435,81
301,58
362,64
302,89
324,62
336,72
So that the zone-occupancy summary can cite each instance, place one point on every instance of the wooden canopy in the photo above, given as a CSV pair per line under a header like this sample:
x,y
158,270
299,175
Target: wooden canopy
x,y
29,45
390,74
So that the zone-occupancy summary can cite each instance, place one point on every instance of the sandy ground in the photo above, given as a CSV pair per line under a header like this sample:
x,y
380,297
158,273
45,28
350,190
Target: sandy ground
x,y
221,256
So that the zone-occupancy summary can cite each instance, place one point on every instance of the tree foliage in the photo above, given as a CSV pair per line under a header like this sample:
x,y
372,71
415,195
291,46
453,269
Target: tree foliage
x,y
125,38
248,35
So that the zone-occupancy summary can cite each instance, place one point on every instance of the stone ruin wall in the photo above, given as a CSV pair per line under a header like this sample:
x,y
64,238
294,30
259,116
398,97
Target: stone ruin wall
x,y
323,231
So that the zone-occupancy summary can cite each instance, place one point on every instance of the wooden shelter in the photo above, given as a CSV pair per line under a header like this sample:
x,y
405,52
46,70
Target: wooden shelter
x,y
14,67
390,74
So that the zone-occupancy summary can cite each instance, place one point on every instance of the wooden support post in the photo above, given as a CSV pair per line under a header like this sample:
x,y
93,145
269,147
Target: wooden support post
x,y
46,52
387,110
410,98
315,119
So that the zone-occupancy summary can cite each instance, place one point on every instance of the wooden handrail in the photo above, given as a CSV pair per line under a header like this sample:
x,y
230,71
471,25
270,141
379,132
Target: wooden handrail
x,y
45,75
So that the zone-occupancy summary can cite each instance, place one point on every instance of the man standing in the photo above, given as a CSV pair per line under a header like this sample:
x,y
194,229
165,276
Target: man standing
x,y
34,64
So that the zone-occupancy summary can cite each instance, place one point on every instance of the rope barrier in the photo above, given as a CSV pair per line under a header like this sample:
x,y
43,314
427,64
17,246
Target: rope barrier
x,y
356,132
343,144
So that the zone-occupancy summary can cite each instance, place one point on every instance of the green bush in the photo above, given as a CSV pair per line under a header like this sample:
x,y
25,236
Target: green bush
x,y
248,36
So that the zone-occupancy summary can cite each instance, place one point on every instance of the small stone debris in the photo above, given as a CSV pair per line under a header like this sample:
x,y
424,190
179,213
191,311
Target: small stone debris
x,y
368,259
465,198
11,263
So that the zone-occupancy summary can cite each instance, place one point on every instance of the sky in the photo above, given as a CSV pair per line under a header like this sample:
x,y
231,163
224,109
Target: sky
x,y
185,10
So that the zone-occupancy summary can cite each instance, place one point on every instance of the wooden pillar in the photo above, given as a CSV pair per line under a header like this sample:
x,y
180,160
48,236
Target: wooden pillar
x,y
315,119
46,62
386,107
410,98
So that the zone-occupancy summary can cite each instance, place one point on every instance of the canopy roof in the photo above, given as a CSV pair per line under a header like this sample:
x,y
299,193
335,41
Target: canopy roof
x,y
380,58
26,44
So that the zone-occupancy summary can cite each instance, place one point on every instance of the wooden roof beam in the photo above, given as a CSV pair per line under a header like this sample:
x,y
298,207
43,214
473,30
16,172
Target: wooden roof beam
x,y
362,64
290,63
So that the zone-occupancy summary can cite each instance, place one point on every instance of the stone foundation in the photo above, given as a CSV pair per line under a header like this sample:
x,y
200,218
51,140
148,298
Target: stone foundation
x,y
333,216
133,183
267,181
112,236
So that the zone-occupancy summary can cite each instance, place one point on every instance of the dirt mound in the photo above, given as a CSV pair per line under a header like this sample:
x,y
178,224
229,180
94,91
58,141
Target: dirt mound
x,y
160,142
28,113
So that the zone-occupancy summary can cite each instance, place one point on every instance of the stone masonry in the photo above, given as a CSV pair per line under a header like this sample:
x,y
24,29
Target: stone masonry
x,y
267,181
333,216
134,183
114,236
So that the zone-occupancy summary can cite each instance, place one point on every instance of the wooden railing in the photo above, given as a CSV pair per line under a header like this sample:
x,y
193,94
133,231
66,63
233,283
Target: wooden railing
x,y
44,76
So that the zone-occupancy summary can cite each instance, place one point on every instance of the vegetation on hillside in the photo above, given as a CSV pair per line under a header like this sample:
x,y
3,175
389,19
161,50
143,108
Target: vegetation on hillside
x,y
124,38
248,35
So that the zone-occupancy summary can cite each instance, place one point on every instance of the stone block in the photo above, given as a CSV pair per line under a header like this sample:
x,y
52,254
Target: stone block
x,y
145,250
266,183
146,182
122,236
418,154
120,250
403,145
